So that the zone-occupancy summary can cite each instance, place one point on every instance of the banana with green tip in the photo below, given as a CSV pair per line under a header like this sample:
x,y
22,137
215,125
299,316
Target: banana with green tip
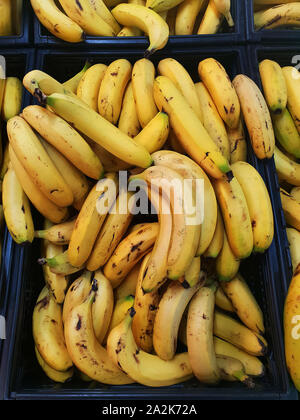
x,y
233,370
72,84
60,264
274,85
59,234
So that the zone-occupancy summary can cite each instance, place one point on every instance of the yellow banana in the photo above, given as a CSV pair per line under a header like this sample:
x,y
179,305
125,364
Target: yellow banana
x,y
48,334
128,121
274,85
86,352
227,265
186,16
238,143
287,169
129,251
291,209
286,133
292,80
257,116
128,285
259,204
222,301
60,264
232,370
130,31
37,162
223,6
143,74
216,80
112,89
217,242
59,234
12,99
170,310
154,135
65,139
144,368
171,17
120,310
193,274
295,193
212,121
6,21
236,216
189,129
16,207
281,15
53,374
176,72
100,130
5,161
56,21
211,21
245,304
145,19
109,161
231,330
162,6
89,85
72,84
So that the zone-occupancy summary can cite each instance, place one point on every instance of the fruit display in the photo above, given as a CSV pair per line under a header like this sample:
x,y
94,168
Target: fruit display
x,y
276,14
71,21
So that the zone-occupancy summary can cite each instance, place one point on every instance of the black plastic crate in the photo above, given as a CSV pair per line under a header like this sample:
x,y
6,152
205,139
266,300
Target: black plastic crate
x,y
273,36
25,37
43,38
21,376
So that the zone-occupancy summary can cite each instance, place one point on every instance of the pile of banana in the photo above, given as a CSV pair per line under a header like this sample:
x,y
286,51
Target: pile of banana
x,y
70,20
276,14
281,87
10,17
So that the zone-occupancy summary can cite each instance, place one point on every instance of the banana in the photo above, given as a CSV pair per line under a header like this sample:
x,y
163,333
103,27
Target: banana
x,y
232,370
281,15
48,332
59,234
53,374
253,366
223,6
72,84
188,169
112,89
189,129
38,163
227,265
144,368
130,31
91,218
56,21
74,178
110,162
143,74
87,17
217,242
176,72
77,292
128,121
292,80
236,216
257,116
238,143
295,193
16,208
146,310
234,332
89,85
222,301
193,274
103,10
65,139
155,134
5,161
171,18
186,16
86,352
171,307
291,329
287,169
145,19
129,251
46,207
100,130
6,21
245,304
128,286
162,6
274,86
291,209
211,21
259,204
60,264
120,310
12,99
286,133
200,342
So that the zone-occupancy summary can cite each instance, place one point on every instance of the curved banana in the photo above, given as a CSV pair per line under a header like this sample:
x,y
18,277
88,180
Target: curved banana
x,y
286,133
112,89
189,129
145,19
86,352
287,169
72,84
121,308
48,332
294,242
144,368
171,68
129,251
37,162
100,130
257,116
89,85
281,15
227,265
274,85
56,21
217,242
91,218
211,21
59,234
60,264
186,16
295,193
65,139
222,301
16,208
291,209
128,285
233,370
238,143
200,342
12,99
155,134
129,121
212,121
162,6
170,310
193,273
292,80
53,374
223,6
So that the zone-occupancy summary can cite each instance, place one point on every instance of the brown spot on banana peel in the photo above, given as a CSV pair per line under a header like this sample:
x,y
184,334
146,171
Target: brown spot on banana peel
x,y
43,303
78,325
79,5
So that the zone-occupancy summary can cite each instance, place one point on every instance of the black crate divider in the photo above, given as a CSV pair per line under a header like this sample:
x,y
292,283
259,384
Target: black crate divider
x,y
267,275
43,38
25,38
271,36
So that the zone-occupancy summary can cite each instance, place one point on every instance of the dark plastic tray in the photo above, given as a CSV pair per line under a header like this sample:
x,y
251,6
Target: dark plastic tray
x,y
274,36
25,38
18,62
22,378
43,38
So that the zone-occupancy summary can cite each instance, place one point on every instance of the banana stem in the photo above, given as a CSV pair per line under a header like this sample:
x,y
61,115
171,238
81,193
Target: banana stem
x,y
245,379
40,234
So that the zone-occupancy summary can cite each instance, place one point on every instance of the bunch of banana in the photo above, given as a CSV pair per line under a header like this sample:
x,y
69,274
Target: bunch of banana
x,y
274,14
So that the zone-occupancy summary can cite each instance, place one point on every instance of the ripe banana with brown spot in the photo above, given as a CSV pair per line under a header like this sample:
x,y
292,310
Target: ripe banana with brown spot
x,y
89,85
238,143
59,234
128,285
291,209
